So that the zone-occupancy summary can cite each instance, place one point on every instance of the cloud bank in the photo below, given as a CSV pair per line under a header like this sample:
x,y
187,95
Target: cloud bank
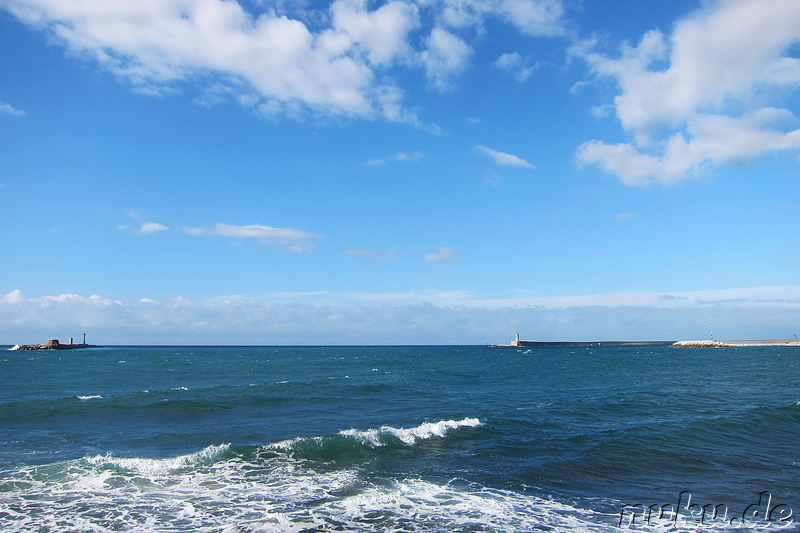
x,y
423,318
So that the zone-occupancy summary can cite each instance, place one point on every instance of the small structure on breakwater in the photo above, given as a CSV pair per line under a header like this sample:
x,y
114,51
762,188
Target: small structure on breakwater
x,y
54,344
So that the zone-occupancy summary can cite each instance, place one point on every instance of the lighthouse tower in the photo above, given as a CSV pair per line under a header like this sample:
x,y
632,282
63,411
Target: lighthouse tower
x,y
516,340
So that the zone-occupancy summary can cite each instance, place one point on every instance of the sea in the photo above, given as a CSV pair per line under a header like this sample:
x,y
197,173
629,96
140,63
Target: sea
x,y
238,439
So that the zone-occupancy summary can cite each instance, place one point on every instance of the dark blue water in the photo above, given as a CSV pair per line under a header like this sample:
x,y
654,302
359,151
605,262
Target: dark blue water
x,y
245,439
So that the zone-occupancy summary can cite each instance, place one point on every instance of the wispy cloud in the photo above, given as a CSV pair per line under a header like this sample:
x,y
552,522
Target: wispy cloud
x,y
520,67
442,254
152,227
368,254
291,239
708,94
143,226
504,159
401,157
7,109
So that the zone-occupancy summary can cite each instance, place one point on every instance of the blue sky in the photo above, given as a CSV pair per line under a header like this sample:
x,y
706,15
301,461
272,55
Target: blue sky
x,y
252,172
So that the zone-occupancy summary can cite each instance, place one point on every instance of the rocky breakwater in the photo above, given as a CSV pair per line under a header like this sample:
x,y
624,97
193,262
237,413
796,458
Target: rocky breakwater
x,y
53,344
733,344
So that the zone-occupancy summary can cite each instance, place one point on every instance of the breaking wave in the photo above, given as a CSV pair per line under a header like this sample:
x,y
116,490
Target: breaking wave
x,y
349,441
224,488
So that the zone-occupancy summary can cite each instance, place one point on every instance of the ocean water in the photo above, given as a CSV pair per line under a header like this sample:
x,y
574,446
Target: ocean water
x,y
417,439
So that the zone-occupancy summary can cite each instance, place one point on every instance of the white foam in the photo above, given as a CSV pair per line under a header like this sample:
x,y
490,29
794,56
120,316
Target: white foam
x,y
373,437
162,467
410,436
93,397
205,491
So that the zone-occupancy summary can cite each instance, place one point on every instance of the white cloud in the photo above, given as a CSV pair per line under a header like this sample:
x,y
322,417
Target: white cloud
x,y
504,159
382,34
14,297
194,231
703,89
333,59
7,109
520,67
539,18
157,43
636,168
727,139
292,239
413,318
401,157
152,227
442,254
445,56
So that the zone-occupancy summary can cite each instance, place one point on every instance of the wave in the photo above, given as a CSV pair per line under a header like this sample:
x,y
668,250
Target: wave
x,y
161,467
427,430
228,488
348,442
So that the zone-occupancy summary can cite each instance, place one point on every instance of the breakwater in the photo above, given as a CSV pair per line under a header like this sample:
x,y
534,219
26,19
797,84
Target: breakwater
x,y
53,344
733,344
582,343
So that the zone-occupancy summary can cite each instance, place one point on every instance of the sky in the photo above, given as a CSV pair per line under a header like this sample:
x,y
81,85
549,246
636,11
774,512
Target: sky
x,y
401,172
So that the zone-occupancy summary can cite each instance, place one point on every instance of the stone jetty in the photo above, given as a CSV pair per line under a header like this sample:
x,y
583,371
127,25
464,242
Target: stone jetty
x,y
733,344
53,344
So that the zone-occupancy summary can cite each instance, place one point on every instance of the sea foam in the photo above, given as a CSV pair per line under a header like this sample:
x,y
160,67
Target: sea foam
x,y
162,467
372,438
410,436
219,489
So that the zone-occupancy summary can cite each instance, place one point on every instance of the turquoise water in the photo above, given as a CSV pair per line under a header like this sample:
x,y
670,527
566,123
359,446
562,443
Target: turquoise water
x,y
454,438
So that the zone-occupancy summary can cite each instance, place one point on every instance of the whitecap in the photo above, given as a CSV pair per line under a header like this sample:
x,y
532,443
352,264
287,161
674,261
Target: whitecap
x,y
217,489
409,436
162,467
